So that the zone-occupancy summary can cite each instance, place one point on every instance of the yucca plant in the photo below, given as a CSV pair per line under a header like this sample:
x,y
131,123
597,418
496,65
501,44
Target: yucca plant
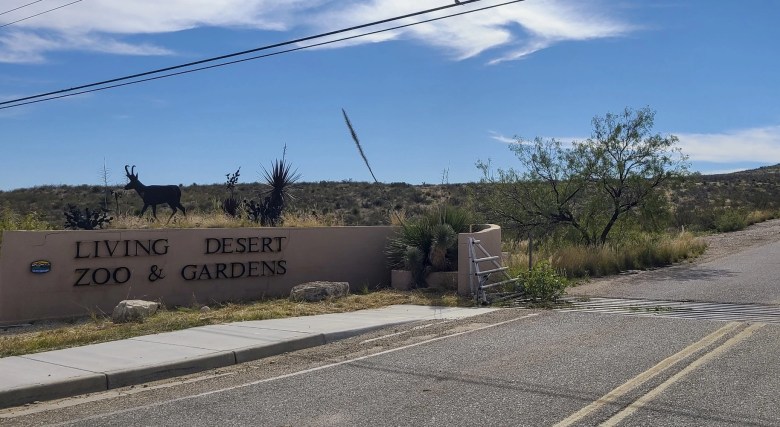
x,y
280,178
443,240
230,205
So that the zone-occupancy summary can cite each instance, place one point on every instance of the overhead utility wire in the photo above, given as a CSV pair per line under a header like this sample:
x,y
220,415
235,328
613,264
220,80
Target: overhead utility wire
x,y
231,55
20,7
66,92
39,14
266,55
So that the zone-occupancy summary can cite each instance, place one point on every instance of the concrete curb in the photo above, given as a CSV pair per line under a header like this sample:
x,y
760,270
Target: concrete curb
x,y
94,382
128,377
261,352
55,390
101,367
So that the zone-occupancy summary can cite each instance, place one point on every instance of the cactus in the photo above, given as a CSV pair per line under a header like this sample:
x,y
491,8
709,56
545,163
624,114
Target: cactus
x,y
88,220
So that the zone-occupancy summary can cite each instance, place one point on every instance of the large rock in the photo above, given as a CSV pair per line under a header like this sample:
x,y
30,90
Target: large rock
x,y
318,291
133,310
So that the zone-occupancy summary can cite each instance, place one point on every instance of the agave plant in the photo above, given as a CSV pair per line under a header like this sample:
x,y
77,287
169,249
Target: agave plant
x,y
428,243
414,261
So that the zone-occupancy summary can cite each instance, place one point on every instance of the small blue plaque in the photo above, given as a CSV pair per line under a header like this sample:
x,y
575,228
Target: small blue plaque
x,y
40,267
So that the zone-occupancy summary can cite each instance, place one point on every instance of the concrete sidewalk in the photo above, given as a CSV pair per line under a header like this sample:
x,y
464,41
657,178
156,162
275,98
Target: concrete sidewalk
x,y
99,367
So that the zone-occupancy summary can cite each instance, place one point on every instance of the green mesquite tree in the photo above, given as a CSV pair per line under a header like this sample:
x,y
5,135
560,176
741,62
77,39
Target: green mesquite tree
x,y
590,185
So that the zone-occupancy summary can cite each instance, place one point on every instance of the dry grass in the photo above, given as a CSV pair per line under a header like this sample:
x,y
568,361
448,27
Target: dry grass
x,y
191,220
643,252
220,220
306,219
52,336
757,216
582,261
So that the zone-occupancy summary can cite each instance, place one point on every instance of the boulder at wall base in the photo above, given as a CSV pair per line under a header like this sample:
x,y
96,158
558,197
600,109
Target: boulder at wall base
x,y
133,310
318,291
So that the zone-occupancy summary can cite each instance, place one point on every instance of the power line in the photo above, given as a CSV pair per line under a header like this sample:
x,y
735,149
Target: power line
x,y
78,89
20,7
38,14
231,55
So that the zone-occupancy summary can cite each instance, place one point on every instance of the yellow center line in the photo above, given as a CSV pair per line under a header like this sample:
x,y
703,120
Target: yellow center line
x,y
642,401
648,374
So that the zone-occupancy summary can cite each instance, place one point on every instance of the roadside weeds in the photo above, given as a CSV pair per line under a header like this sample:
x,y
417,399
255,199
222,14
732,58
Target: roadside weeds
x,y
54,335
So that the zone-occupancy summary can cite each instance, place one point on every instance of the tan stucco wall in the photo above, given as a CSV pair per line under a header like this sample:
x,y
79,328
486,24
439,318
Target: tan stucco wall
x,y
291,255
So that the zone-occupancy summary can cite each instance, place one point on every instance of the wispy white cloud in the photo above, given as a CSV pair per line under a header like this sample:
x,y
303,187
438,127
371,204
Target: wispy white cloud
x,y
501,138
508,32
552,22
760,145
513,31
515,139
746,145
100,25
153,16
31,47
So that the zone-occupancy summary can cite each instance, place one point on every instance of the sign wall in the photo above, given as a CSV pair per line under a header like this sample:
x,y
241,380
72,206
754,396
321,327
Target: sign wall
x,y
55,274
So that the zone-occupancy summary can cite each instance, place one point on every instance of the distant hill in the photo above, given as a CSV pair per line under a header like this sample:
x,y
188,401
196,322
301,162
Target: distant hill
x,y
694,198
355,203
763,170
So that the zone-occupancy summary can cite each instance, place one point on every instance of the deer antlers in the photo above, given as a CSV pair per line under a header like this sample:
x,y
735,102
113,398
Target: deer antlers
x,y
131,173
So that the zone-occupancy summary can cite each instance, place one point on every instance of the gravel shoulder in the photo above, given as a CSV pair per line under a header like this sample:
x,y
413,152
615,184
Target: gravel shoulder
x,y
725,244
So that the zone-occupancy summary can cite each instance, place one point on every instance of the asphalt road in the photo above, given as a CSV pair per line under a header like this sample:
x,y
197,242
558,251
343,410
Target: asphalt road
x,y
748,276
515,367
508,368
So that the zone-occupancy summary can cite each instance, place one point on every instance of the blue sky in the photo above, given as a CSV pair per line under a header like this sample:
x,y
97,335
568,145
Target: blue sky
x,y
425,100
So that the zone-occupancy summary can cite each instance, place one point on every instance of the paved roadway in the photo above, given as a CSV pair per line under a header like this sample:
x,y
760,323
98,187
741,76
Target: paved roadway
x,y
749,276
512,367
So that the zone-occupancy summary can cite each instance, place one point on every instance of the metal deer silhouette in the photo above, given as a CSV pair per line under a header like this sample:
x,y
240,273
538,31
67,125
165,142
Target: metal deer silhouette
x,y
154,195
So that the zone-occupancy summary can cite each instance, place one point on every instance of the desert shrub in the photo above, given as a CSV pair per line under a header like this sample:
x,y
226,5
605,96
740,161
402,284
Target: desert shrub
x,y
543,282
10,220
730,220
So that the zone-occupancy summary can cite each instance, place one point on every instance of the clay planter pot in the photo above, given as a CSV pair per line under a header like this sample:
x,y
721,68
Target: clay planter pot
x,y
401,280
